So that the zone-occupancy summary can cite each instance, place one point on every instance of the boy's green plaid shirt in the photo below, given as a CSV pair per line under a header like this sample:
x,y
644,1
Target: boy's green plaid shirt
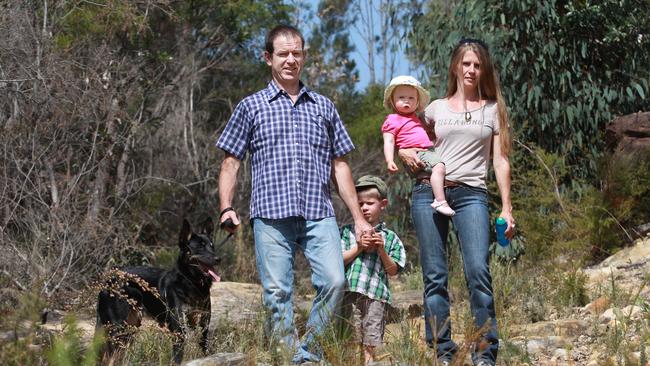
x,y
365,274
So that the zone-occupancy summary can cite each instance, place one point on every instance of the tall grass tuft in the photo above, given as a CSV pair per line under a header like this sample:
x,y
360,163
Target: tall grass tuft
x,y
67,348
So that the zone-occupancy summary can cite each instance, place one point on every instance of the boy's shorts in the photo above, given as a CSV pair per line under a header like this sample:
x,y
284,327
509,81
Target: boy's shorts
x,y
367,317
430,158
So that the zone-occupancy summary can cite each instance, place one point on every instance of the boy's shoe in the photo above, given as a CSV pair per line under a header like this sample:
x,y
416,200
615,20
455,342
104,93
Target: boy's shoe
x,y
443,207
484,363
443,362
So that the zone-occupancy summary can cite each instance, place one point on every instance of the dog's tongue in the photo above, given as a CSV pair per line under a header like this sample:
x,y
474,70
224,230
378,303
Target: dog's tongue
x,y
214,275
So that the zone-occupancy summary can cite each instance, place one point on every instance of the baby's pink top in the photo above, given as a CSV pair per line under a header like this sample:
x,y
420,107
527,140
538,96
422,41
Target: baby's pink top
x,y
408,131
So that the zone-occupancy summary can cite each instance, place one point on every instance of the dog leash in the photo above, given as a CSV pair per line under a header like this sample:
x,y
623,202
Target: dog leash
x,y
230,225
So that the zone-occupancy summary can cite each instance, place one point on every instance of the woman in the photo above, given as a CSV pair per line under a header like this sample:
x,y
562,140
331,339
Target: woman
x,y
470,124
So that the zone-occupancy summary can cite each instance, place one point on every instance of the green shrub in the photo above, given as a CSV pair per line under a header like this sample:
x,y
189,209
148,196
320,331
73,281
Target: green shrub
x,y
67,348
572,290
623,204
21,315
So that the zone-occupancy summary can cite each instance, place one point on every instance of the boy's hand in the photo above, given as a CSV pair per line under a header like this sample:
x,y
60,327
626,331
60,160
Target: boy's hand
x,y
378,241
391,166
366,241
373,242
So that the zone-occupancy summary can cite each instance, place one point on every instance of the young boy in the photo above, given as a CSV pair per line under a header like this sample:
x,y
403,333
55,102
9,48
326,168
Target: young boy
x,y
368,265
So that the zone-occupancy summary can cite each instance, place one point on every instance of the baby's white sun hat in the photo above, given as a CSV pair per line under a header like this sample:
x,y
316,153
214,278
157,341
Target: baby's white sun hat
x,y
423,94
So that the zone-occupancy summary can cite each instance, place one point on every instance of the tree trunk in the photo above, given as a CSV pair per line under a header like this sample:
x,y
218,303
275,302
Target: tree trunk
x,y
104,166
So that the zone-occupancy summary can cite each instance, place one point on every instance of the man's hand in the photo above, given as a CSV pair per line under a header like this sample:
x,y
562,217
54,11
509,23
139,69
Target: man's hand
x,y
232,216
342,177
362,227
365,242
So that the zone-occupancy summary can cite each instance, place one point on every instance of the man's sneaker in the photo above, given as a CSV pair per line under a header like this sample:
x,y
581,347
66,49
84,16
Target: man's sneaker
x,y
483,363
443,363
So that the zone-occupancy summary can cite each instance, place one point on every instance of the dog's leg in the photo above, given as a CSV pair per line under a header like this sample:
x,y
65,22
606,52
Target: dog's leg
x,y
174,322
205,311
179,337
112,313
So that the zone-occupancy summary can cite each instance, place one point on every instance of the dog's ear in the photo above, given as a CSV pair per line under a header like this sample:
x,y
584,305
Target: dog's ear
x,y
186,233
207,227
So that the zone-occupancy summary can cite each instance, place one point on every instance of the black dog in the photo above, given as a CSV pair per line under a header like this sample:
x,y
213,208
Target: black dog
x,y
174,298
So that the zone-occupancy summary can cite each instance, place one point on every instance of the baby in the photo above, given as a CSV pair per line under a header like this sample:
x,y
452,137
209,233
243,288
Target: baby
x,y
404,96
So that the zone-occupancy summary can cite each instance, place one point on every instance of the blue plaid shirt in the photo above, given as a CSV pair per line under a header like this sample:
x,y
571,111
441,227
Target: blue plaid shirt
x,y
292,147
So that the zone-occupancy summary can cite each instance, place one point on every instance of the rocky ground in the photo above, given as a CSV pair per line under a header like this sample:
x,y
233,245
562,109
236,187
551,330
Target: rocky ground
x,y
571,340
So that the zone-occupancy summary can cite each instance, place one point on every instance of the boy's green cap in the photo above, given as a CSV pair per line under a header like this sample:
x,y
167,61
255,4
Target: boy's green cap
x,y
373,181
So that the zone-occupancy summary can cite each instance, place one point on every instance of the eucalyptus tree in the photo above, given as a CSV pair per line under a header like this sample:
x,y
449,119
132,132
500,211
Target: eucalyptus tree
x,y
382,25
566,67
330,68
109,112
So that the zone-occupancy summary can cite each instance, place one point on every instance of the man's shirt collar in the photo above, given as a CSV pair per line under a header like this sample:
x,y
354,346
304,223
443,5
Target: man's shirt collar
x,y
273,91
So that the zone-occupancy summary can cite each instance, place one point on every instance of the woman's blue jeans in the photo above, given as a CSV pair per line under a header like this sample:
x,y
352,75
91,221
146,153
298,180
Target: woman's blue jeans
x,y
276,243
472,226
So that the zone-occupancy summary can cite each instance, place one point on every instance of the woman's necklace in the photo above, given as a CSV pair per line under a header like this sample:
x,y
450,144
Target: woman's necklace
x,y
468,115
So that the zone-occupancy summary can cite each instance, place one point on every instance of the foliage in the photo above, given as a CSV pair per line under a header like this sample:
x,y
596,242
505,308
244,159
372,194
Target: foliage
x,y
404,344
509,253
109,115
572,289
365,116
330,69
413,279
381,26
21,314
624,202
566,68
67,349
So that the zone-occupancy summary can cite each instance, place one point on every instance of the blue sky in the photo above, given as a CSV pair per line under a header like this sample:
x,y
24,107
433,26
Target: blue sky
x,y
364,72
359,55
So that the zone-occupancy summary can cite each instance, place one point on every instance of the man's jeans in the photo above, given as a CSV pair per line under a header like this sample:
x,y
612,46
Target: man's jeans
x,y
276,242
472,226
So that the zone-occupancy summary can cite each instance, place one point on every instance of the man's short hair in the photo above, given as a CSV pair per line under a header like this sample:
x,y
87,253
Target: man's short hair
x,y
282,30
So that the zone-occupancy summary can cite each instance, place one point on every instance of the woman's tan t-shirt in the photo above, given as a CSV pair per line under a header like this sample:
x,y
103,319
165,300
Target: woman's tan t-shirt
x,y
464,145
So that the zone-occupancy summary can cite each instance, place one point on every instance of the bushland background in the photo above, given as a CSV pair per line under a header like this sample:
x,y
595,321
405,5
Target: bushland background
x,y
109,111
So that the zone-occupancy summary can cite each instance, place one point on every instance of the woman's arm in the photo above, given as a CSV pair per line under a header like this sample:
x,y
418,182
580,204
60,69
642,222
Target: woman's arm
x,y
410,158
501,164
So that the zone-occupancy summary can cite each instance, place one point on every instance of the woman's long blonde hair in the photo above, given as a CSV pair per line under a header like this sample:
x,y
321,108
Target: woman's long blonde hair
x,y
488,87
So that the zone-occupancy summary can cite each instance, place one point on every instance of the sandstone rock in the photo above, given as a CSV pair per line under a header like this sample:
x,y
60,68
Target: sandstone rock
x,y
234,301
538,346
610,315
597,306
221,359
560,355
636,255
627,268
630,134
406,304
571,328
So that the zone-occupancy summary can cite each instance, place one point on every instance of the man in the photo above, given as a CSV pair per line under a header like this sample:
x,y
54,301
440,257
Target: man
x,y
297,143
